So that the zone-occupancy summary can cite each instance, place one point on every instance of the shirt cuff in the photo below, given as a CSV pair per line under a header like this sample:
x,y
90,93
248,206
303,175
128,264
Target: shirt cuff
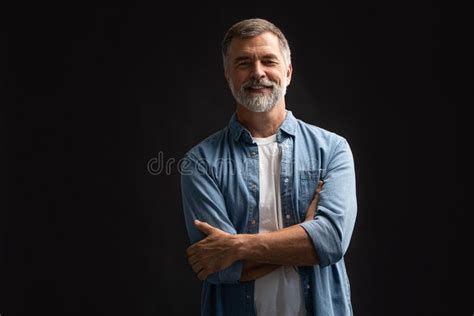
x,y
325,240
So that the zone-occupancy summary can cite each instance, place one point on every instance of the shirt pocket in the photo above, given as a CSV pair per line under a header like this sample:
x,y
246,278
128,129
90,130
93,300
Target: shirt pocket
x,y
308,182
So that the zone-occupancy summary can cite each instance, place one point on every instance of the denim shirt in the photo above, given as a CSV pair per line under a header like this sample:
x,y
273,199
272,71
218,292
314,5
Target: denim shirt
x,y
220,186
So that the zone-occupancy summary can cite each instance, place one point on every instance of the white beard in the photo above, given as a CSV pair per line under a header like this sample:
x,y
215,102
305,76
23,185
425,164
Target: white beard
x,y
258,102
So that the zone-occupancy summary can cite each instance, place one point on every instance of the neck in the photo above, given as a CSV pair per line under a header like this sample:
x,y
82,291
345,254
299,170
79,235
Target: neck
x,y
262,124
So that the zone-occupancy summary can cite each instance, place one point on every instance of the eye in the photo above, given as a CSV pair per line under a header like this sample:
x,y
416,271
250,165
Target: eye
x,y
270,62
243,64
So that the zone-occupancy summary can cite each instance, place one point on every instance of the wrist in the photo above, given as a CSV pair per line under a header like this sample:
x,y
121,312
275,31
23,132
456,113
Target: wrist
x,y
243,243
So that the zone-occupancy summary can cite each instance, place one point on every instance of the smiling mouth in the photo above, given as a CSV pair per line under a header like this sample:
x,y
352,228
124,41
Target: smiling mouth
x,y
258,88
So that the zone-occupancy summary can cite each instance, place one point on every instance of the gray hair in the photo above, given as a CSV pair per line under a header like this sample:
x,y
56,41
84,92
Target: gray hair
x,y
251,28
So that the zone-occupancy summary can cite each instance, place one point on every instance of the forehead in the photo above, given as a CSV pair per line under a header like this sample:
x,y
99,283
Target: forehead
x,y
263,44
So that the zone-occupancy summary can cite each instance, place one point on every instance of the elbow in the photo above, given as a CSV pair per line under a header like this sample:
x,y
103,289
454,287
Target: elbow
x,y
330,255
327,243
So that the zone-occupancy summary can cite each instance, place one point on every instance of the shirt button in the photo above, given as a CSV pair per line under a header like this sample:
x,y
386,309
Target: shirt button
x,y
253,221
286,180
288,216
252,154
308,286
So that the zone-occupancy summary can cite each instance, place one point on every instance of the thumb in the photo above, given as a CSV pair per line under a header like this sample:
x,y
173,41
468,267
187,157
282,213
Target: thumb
x,y
203,227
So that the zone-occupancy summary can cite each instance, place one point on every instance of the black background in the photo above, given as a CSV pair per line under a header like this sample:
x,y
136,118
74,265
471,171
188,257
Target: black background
x,y
93,94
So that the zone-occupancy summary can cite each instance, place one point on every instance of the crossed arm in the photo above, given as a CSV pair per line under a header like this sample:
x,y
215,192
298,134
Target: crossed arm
x,y
224,256
261,253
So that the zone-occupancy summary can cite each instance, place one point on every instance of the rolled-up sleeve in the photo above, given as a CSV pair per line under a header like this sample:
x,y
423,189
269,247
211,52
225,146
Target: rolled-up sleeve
x,y
331,229
203,200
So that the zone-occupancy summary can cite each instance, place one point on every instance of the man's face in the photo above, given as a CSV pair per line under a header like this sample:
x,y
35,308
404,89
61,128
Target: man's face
x,y
257,72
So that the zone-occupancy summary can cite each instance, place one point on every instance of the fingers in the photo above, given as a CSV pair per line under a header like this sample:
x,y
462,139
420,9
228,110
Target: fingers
x,y
311,211
318,191
203,275
320,186
191,250
193,259
197,267
203,227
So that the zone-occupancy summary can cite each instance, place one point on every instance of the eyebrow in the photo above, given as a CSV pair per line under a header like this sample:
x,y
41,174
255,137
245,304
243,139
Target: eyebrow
x,y
245,58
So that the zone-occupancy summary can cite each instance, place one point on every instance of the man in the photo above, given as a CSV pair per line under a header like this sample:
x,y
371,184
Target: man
x,y
250,194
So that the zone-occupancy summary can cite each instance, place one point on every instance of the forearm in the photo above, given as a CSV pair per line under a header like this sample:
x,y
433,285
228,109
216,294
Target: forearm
x,y
253,270
259,253
290,246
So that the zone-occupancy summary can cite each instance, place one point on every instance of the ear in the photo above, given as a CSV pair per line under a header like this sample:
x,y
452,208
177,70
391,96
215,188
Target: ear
x,y
226,74
289,72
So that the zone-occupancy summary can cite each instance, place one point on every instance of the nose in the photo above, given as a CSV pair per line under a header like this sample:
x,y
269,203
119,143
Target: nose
x,y
258,71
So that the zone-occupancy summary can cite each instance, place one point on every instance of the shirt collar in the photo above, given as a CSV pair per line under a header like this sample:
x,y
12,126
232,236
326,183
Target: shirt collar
x,y
236,129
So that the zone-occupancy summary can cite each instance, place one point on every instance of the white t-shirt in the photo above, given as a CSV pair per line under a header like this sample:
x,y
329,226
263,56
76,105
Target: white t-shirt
x,y
278,293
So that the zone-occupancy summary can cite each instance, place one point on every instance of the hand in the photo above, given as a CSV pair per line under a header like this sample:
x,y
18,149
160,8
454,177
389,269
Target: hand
x,y
214,253
313,206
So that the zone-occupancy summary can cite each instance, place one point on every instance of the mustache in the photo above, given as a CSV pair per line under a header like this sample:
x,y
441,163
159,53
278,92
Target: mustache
x,y
258,82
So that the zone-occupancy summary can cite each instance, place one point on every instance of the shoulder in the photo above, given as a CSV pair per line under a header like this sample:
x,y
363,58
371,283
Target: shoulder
x,y
320,136
317,146
210,146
